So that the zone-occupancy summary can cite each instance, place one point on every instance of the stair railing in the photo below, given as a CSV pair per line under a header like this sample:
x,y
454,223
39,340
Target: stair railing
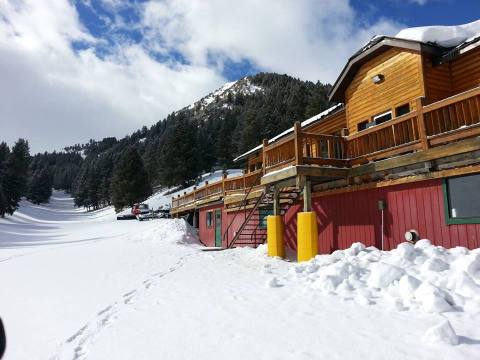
x,y
243,206
247,219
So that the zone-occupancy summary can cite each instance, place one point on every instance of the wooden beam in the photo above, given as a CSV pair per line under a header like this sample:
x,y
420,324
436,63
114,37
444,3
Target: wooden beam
x,y
307,196
467,145
404,180
297,130
422,129
276,201
264,152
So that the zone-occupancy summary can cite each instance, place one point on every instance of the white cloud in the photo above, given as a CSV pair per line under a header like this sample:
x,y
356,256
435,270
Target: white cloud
x,y
418,2
308,38
55,96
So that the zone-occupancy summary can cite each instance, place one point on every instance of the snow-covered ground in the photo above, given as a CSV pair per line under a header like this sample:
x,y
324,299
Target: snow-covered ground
x,y
85,286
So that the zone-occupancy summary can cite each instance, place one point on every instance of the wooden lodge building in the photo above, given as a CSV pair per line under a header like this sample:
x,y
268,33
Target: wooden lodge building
x,y
400,152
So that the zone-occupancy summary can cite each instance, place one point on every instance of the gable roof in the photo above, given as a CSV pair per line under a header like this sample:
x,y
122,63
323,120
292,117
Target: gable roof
x,y
372,49
443,42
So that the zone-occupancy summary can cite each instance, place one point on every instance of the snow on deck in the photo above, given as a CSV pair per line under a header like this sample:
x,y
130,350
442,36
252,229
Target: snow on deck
x,y
79,285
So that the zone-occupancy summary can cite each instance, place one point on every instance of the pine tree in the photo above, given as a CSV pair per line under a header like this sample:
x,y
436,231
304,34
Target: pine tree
x,y
4,154
14,180
130,183
40,186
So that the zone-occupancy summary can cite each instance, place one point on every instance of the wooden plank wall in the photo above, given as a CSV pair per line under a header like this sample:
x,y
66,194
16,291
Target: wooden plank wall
x,y
331,125
438,82
466,71
350,217
403,83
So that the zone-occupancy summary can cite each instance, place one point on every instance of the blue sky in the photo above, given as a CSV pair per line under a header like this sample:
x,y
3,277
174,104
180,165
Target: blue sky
x,y
76,70
96,15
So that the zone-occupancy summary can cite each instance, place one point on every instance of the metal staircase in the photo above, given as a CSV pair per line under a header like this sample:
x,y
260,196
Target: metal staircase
x,y
253,230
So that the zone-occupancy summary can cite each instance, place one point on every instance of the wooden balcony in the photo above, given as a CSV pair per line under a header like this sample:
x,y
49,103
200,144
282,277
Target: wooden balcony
x,y
216,190
451,119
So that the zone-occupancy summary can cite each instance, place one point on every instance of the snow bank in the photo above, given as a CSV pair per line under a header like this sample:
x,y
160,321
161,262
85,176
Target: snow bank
x,y
442,333
447,36
422,277
426,277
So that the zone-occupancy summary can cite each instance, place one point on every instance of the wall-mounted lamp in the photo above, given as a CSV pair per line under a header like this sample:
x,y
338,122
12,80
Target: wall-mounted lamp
x,y
377,79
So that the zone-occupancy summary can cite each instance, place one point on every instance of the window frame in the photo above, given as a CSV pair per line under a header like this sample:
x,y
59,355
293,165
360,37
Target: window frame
x,y
378,116
446,205
398,107
209,212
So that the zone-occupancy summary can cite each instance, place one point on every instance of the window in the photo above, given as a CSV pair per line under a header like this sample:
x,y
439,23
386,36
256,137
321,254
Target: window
x,y
262,217
462,199
381,118
402,109
362,125
209,219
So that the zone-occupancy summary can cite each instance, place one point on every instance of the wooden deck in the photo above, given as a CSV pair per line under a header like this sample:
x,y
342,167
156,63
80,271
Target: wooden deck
x,y
418,133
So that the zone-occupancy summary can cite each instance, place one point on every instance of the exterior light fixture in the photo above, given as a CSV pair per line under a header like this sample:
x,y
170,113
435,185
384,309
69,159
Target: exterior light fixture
x,y
377,79
412,236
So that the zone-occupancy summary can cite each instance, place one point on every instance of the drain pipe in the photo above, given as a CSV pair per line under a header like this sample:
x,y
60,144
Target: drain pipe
x,y
381,206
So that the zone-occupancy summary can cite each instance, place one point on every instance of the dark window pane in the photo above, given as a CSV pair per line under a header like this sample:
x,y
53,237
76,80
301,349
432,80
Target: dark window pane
x,y
382,118
362,125
464,196
402,110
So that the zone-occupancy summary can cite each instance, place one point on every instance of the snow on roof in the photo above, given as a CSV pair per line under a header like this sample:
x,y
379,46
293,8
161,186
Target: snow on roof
x,y
446,36
288,131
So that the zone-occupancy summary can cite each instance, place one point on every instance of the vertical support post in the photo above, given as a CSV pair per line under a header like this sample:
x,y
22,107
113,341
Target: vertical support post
x,y
244,173
275,239
307,196
276,201
330,148
307,231
421,124
194,221
264,154
223,184
297,129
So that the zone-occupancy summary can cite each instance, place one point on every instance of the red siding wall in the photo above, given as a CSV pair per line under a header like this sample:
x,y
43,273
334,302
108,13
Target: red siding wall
x,y
207,235
350,217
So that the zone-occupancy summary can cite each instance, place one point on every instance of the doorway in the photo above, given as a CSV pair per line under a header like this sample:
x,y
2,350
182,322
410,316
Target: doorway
x,y
218,227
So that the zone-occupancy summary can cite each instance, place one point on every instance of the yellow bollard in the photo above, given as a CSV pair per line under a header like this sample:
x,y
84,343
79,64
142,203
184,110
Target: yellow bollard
x,y
275,242
307,236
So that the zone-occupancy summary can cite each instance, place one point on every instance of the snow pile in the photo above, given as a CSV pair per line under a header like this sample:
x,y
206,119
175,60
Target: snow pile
x,y
421,277
447,36
441,333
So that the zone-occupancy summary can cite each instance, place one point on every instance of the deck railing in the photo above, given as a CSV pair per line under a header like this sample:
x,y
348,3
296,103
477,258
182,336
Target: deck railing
x,y
221,187
450,119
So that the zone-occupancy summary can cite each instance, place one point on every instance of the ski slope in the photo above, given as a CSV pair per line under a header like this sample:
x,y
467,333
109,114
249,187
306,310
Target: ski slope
x,y
78,285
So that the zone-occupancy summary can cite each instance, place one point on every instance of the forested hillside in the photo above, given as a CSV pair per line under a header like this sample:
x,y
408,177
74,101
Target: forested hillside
x,y
205,135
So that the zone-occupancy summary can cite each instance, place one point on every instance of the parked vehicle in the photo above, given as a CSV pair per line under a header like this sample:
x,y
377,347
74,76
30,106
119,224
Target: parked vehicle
x,y
147,216
154,214
138,209
128,216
